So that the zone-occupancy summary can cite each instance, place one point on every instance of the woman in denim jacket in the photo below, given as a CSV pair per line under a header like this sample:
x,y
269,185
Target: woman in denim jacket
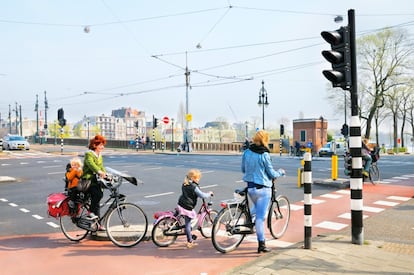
x,y
259,174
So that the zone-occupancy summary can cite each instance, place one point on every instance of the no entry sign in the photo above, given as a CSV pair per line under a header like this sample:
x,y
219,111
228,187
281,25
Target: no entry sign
x,y
166,120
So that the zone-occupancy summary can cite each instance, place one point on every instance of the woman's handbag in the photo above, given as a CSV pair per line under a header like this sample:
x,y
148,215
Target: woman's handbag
x,y
83,185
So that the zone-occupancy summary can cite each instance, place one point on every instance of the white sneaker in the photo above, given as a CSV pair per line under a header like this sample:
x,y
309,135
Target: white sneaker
x,y
92,216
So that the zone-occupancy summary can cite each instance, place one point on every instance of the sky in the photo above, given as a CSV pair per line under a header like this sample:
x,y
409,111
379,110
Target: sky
x,y
91,57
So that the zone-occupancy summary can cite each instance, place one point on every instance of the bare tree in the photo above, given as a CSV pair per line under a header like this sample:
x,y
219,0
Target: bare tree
x,y
385,58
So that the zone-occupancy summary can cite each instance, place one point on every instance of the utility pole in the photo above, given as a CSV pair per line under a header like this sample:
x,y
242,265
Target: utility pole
x,y
9,119
187,83
37,117
46,108
17,115
21,124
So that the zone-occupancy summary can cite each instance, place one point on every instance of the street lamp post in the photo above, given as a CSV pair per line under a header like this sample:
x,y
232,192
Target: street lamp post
x,y
263,102
247,130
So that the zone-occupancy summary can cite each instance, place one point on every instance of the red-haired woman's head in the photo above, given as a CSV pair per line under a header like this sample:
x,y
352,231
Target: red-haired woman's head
x,y
95,141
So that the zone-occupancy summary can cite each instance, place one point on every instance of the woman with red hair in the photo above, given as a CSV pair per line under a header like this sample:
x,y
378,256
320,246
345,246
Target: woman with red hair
x,y
92,166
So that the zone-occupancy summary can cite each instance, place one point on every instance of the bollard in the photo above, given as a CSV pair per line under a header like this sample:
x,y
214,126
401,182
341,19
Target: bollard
x,y
334,173
300,177
307,176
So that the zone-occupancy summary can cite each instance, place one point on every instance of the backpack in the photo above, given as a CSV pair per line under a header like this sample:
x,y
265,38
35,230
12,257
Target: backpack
x,y
65,179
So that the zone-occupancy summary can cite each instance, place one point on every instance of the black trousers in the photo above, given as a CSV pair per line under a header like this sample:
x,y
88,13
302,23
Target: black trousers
x,y
96,195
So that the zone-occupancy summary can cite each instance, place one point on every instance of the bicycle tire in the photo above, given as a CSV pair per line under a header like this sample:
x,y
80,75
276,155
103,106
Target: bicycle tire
x,y
207,223
278,217
222,237
126,225
70,229
164,224
374,174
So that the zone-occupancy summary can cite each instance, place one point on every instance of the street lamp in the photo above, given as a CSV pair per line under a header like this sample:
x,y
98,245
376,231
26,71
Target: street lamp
x,y
247,132
263,102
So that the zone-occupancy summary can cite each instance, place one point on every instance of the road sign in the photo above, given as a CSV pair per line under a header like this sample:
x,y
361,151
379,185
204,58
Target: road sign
x,y
166,120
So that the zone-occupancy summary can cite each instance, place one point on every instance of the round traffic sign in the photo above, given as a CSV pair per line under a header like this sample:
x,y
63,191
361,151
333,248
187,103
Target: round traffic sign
x,y
166,120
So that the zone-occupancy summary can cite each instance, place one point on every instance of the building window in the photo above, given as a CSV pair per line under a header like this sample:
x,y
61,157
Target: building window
x,y
302,135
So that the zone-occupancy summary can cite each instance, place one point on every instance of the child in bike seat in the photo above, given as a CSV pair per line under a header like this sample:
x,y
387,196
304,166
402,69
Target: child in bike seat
x,y
188,200
73,176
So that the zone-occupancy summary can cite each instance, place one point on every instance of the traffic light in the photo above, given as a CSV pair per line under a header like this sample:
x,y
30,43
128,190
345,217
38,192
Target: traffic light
x,y
344,130
61,118
136,124
155,123
282,129
339,56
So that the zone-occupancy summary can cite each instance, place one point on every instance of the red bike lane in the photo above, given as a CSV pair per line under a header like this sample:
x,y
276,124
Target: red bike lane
x,y
53,253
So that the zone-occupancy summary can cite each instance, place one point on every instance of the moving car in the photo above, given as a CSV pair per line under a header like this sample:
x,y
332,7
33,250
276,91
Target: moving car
x,y
331,148
15,142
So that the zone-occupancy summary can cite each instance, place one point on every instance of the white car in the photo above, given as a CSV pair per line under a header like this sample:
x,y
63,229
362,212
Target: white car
x,y
15,142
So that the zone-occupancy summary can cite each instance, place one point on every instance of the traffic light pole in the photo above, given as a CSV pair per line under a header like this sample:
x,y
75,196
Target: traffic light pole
x,y
355,143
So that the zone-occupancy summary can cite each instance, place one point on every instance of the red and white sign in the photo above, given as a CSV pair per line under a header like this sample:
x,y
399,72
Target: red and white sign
x,y
166,120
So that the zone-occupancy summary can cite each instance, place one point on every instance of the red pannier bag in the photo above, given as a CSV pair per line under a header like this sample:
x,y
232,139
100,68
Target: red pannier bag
x,y
57,205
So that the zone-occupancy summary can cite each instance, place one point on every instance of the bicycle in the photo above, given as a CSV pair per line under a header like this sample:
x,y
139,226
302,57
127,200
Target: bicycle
x,y
169,225
234,221
374,175
126,223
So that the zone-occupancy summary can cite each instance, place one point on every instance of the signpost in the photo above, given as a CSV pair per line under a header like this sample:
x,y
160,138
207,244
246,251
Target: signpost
x,y
166,120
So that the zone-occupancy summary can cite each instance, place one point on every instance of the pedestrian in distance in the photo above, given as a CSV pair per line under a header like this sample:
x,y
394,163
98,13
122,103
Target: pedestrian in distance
x,y
93,165
72,177
259,175
190,192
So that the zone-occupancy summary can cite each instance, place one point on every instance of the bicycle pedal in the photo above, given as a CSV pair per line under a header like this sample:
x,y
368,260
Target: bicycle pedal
x,y
194,237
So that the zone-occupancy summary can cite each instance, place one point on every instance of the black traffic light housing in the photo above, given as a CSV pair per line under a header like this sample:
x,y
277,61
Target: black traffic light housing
x,y
282,129
339,56
345,130
155,122
61,117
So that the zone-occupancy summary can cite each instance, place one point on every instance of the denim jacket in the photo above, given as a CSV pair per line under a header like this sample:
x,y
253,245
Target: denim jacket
x,y
258,168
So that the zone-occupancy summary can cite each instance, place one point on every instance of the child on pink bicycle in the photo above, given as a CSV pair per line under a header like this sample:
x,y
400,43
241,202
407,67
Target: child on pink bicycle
x,y
188,200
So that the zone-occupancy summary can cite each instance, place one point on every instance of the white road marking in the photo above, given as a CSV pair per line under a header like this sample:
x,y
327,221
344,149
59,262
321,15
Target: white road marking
x,y
372,209
52,224
13,204
24,210
386,203
331,196
398,198
159,195
331,225
3,200
37,217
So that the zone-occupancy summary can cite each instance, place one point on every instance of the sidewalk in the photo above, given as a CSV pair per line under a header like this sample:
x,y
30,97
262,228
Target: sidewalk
x,y
388,249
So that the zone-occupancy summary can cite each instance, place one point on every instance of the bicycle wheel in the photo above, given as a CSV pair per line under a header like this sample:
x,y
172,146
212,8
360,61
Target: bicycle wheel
x,y
374,174
159,238
126,225
69,227
207,223
279,215
223,238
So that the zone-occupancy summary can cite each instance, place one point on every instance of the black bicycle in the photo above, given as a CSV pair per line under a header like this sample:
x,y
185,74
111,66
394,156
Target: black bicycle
x,y
126,223
234,221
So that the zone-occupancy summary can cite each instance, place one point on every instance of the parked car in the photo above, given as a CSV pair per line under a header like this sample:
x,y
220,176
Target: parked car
x,y
15,142
332,147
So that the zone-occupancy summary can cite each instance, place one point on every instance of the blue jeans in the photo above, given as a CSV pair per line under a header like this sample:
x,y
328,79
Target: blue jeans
x,y
260,199
368,161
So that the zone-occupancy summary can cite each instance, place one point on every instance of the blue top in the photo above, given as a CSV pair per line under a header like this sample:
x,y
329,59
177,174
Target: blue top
x,y
258,168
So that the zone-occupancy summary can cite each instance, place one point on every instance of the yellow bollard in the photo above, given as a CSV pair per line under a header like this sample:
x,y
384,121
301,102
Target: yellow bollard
x,y
334,167
300,177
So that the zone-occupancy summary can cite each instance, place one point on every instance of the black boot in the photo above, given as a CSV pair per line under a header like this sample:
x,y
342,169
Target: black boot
x,y
263,248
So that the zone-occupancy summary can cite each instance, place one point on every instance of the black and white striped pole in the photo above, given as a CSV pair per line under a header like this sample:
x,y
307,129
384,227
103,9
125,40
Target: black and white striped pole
x,y
307,187
355,143
342,56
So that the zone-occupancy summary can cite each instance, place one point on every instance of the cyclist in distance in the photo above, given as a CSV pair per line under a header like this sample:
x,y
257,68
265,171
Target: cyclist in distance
x,y
366,156
259,174
188,200
92,166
